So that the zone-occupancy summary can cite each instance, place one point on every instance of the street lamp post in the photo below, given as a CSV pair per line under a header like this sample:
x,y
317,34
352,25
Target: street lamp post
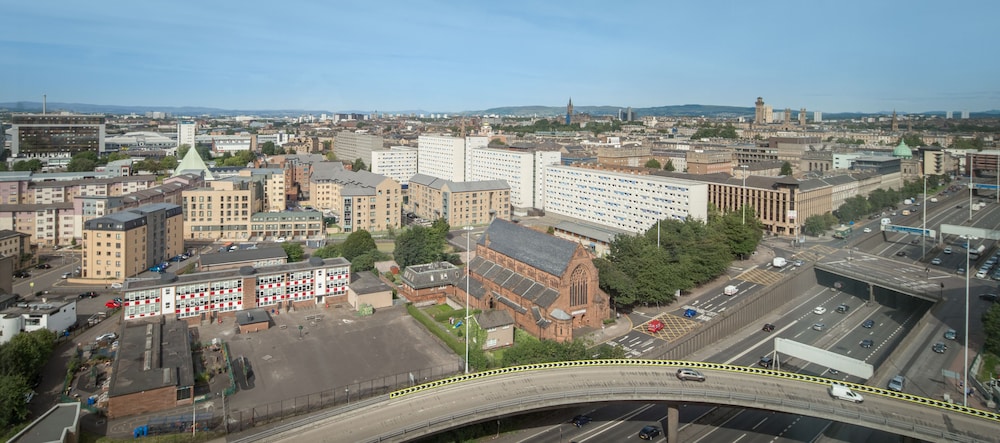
x,y
468,275
923,235
743,196
965,362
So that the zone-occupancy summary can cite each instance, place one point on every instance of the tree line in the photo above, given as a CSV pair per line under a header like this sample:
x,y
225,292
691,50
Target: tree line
x,y
21,362
644,269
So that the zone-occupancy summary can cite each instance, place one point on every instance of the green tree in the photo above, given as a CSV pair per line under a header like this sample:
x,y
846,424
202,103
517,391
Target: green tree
x,y
78,164
293,251
497,142
417,245
991,328
327,145
3,167
168,163
204,151
652,163
330,156
115,156
182,150
358,165
267,148
786,169
669,167
33,165
329,251
13,388
853,209
819,223
357,243
912,140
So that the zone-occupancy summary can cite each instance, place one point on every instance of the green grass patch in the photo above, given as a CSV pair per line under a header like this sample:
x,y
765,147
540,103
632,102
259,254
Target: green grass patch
x,y
988,368
457,346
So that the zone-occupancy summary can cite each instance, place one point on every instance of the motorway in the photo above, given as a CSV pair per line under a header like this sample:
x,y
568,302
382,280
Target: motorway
x,y
842,334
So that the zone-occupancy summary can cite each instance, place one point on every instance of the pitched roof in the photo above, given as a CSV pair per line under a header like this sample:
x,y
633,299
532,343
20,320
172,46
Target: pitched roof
x,y
536,249
192,162
494,319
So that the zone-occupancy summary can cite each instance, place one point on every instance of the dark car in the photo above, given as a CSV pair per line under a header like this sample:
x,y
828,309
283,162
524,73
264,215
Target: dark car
x,y
939,347
43,266
988,297
843,308
767,327
88,294
766,361
866,343
868,324
580,420
649,432
901,254
22,274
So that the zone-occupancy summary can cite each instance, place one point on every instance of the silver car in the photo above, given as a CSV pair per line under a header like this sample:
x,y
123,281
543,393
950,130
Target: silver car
x,y
690,374
896,384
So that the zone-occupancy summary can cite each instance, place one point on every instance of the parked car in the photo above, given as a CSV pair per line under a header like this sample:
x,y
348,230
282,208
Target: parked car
x,y
989,296
581,420
43,266
901,254
88,294
866,343
67,274
649,433
868,230
110,336
690,374
21,274
116,285
156,268
868,324
936,261
939,347
111,304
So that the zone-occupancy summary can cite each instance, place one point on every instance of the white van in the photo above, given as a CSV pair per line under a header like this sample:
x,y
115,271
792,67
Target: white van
x,y
844,393
730,290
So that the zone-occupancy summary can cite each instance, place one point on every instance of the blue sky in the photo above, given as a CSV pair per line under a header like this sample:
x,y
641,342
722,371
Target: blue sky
x,y
449,56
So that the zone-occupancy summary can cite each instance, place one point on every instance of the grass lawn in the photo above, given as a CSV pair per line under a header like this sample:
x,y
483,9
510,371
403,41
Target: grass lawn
x,y
387,247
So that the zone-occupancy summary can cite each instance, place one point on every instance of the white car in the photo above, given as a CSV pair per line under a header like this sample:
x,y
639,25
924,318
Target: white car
x,y
280,240
947,250
106,337
116,285
936,261
819,310
868,230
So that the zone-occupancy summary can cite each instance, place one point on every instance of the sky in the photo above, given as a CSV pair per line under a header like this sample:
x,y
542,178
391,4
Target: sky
x,y
452,56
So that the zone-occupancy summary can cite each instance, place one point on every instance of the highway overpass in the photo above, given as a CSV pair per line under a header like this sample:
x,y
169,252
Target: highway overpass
x,y
451,403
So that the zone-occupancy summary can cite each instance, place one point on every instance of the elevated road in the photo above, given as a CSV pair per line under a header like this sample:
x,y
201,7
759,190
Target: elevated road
x,y
438,406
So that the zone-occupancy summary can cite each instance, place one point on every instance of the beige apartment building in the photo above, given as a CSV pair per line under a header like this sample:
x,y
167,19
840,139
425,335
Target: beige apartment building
x,y
223,209
14,244
459,203
273,180
124,244
709,162
45,192
363,200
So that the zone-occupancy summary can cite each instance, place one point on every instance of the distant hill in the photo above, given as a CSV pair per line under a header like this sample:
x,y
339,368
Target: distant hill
x,y
84,108
665,111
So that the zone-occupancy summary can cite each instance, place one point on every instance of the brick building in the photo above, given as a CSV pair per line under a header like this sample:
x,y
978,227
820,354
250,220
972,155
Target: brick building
x,y
153,369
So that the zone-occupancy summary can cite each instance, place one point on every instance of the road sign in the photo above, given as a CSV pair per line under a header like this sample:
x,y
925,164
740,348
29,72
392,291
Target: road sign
x,y
986,186
909,230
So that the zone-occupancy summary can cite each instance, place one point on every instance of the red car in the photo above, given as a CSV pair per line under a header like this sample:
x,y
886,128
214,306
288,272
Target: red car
x,y
111,304
655,326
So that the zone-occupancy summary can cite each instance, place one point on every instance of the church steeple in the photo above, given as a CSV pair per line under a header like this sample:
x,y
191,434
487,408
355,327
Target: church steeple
x,y
569,111
895,122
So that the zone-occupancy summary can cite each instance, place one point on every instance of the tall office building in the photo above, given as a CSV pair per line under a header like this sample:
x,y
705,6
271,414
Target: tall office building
x,y
524,171
817,116
442,157
350,146
965,115
56,135
947,115
185,133
398,163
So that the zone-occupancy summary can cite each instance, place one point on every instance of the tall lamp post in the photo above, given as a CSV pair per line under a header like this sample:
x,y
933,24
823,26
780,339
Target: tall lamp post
x,y
923,235
468,275
743,204
965,363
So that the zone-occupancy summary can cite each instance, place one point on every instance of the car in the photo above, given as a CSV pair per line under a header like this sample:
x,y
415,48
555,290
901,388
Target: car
x,y
798,263
119,300
156,268
842,308
690,374
116,285
939,347
22,274
896,384
766,361
43,266
767,327
947,250
958,206
819,310
176,258
866,343
111,304
689,313
960,270
981,274
868,230
818,326
67,275
655,326
110,336
649,433
280,240
989,297
88,294
950,334
936,261
901,254
581,420
868,324
915,241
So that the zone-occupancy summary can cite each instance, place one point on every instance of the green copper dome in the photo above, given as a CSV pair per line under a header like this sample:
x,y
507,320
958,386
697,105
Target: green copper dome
x,y
902,150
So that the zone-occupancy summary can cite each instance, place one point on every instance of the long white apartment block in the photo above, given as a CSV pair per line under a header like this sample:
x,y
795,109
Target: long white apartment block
x,y
441,157
632,203
186,131
524,171
398,163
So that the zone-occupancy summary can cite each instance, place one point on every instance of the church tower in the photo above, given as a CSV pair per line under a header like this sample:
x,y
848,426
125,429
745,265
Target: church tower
x,y
895,122
569,111
758,115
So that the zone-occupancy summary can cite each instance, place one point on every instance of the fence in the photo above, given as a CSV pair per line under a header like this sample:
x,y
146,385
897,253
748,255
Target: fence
x,y
242,420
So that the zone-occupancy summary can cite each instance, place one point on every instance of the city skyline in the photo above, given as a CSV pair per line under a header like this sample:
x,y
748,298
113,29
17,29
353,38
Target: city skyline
x,y
442,57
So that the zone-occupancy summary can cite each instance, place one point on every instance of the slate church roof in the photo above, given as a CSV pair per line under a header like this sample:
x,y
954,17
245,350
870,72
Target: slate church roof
x,y
536,249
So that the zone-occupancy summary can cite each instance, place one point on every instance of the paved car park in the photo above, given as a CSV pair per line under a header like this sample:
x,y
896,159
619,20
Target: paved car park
x,y
334,348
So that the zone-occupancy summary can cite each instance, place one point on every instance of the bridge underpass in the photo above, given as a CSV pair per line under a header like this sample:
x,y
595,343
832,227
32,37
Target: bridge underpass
x,y
869,275
439,406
